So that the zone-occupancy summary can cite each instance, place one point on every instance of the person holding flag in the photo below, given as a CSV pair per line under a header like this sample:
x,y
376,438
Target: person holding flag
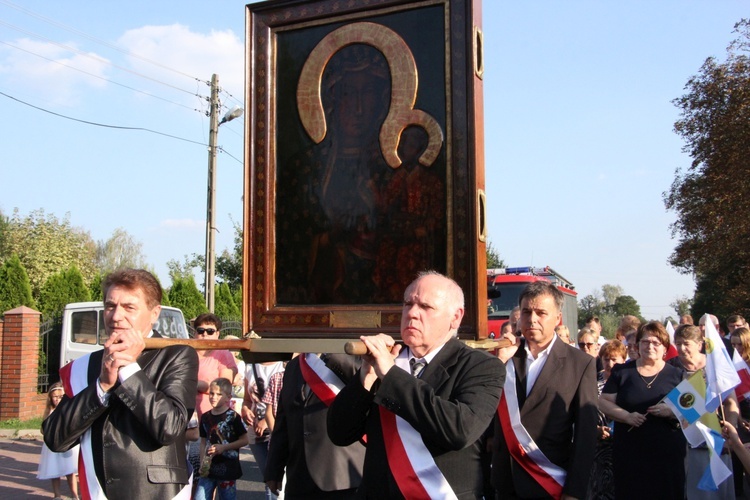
x,y
729,433
689,342
646,436
721,375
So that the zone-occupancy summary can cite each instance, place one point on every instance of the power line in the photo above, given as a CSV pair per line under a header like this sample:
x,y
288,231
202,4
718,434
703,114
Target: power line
x,y
101,60
221,148
99,77
94,57
103,124
94,39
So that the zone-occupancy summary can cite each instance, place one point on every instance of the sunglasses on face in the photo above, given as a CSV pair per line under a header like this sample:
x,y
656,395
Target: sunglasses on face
x,y
586,345
207,331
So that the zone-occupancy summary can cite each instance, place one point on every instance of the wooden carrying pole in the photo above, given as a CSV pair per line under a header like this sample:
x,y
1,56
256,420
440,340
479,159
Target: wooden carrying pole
x,y
260,346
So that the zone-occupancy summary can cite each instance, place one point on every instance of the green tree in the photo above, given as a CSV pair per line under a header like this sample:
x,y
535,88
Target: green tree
x,y
95,287
185,295
588,306
120,250
45,245
178,270
608,304
229,264
224,305
493,257
237,296
62,288
711,199
682,305
15,287
625,304
4,228
610,294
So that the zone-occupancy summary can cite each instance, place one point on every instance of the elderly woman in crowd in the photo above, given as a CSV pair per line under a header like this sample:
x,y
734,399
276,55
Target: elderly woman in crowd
x,y
601,483
648,445
689,342
587,342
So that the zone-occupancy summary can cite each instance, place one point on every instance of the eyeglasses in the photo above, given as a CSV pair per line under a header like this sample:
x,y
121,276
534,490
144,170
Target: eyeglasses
x,y
207,331
586,345
653,343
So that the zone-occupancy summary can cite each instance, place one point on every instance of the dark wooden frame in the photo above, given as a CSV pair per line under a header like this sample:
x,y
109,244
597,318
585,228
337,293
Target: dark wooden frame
x,y
464,159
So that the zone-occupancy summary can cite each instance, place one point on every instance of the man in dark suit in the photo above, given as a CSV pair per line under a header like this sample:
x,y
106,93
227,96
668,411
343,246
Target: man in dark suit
x,y
315,467
423,425
548,408
128,408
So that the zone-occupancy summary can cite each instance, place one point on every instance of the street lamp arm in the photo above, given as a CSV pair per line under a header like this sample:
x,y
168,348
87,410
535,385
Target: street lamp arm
x,y
233,113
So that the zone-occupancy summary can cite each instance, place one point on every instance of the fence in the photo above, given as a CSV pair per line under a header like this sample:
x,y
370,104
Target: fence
x,y
50,334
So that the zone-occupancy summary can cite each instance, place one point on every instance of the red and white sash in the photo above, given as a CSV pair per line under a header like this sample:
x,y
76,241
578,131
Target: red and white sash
x,y
411,463
74,377
520,444
322,381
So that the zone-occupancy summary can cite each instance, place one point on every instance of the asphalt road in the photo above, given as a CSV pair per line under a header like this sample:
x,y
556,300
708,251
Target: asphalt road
x,y
19,460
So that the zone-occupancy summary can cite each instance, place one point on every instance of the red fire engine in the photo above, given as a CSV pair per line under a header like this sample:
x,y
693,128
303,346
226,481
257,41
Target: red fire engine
x,y
504,285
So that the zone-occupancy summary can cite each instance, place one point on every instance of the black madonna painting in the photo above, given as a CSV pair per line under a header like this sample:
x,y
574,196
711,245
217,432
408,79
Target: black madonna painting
x,y
361,183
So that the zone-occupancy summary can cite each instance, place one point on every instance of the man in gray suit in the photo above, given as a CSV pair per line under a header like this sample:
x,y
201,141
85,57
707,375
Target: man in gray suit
x,y
300,448
424,407
548,408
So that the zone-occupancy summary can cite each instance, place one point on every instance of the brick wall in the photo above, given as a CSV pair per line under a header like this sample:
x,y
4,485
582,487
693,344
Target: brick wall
x,y
19,365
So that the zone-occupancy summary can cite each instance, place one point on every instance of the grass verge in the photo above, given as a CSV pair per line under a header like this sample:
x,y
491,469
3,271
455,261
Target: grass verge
x,y
17,424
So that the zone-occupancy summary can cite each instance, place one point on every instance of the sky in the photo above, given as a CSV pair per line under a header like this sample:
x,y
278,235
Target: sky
x,y
578,126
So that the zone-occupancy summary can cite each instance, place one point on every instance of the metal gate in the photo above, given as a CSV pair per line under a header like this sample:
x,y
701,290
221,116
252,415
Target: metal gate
x,y
50,333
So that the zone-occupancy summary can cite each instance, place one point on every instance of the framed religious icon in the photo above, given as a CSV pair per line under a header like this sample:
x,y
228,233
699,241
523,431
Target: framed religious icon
x,y
364,162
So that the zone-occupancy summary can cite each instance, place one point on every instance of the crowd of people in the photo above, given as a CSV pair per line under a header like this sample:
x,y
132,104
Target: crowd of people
x,y
553,415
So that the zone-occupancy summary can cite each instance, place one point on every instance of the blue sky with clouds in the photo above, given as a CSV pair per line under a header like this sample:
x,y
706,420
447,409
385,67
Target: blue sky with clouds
x,y
578,126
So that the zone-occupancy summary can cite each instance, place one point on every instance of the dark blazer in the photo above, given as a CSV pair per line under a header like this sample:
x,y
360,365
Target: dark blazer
x,y
314,465
560,414
138,440
450,405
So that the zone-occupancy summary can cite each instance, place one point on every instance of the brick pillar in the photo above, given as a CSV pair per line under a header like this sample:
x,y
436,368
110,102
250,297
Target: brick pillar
x,y
19,368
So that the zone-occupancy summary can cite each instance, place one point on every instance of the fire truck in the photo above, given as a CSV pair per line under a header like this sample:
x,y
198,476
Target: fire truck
x,y
505,284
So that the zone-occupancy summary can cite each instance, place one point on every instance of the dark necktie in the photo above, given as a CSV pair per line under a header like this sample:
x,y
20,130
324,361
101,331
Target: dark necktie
x,y
417,366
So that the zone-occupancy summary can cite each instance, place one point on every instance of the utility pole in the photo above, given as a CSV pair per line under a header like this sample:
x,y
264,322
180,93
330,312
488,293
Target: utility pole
x,y
210,279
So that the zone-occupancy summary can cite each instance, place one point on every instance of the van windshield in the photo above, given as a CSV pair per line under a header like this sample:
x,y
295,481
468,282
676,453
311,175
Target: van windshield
x,y
171,324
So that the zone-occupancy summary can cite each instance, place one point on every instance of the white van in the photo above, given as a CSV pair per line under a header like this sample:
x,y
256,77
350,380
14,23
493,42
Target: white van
x,y
83,328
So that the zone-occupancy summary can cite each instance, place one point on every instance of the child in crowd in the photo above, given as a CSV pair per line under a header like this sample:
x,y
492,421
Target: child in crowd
x,y
222,435
55,465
